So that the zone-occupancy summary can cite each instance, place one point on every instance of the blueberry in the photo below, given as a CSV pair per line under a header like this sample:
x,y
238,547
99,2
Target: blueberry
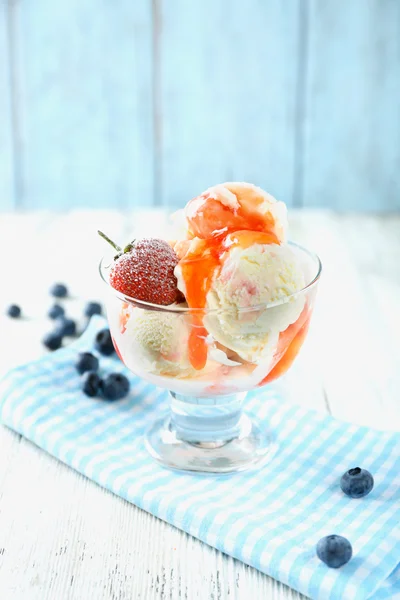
x,y
103,342
86,362
93,308
357,482
59,290
56,311
66,326
334,550
52,340
115,386
14,311
91,383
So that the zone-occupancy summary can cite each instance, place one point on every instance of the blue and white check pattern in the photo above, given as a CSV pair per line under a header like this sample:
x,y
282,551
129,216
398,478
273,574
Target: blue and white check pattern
x,y
269,518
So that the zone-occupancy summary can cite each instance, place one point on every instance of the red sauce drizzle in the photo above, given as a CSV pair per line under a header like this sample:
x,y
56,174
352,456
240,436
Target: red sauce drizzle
x,y
124,316
198,268
289,344
117,350
214,217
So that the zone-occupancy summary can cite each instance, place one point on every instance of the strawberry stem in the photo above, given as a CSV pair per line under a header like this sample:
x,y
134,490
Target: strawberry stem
x,y
129,247
113,244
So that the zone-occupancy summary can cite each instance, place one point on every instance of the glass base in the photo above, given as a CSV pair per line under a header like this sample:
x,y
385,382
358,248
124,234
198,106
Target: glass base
x,y
249,445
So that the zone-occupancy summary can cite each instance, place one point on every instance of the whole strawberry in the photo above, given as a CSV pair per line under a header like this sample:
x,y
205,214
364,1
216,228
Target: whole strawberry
x,y
144,270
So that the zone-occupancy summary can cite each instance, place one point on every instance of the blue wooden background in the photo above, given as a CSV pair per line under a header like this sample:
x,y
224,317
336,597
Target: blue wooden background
x,y
146,102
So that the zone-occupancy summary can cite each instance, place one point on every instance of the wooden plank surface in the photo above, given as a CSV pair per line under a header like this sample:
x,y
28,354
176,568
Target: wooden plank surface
x,y
84,72
64,537
131,104
7,191
228,84
352,105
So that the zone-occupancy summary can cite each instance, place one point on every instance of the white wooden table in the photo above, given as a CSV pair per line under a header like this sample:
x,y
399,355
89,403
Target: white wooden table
x,y
62,536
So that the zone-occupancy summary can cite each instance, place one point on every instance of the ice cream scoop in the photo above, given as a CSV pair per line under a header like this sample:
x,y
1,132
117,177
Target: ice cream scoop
x,y
253,278
158,340
234,206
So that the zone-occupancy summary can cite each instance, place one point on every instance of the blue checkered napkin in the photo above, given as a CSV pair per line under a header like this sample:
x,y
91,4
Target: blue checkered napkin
x,y
270,518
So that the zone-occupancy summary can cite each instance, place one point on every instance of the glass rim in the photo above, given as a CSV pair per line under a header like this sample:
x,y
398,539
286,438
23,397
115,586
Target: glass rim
x,y
176,308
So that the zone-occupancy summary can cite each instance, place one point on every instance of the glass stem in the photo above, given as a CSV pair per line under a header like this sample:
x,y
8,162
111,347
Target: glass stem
x,y
208,422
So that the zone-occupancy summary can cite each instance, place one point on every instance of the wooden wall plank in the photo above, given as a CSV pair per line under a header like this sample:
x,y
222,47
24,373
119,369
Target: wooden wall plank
x,y
6,120
228,76
226,98
85,75
352,126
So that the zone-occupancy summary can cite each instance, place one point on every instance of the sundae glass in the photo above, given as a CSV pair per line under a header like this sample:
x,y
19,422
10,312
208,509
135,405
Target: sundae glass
x,y
221,310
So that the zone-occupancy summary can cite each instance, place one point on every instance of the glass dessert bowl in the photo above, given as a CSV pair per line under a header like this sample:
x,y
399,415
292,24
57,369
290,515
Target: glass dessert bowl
x,y
209,358
217,310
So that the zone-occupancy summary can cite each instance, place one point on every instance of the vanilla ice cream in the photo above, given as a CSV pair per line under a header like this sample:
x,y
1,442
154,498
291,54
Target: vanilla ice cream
x,y
249,279
158,341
